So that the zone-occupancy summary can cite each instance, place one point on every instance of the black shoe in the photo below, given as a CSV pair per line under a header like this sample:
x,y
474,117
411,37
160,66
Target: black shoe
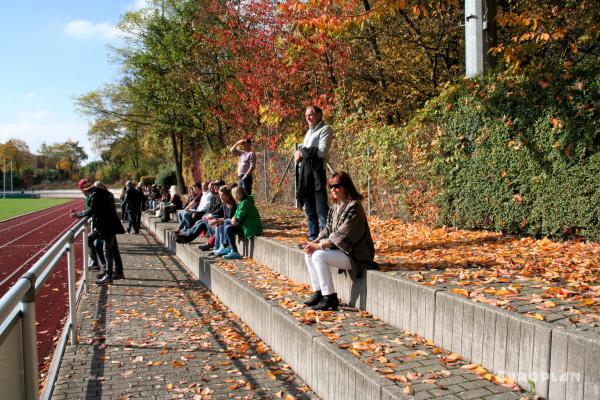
x,y
330,301
94,267
204,247
186,239
101,275
118,275
182,239
314,299
107,280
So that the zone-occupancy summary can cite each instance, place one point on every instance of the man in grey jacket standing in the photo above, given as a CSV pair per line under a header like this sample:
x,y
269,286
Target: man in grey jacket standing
x,y
311,180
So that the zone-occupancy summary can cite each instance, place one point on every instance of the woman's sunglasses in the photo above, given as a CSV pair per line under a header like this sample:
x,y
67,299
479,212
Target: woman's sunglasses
x,y
335,186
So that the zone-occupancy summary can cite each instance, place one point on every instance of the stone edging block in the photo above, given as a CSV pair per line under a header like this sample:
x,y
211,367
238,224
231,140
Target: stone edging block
x,y
575,366
508,344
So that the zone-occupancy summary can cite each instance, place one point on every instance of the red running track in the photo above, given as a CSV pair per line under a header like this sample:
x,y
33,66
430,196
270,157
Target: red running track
x,y
23,240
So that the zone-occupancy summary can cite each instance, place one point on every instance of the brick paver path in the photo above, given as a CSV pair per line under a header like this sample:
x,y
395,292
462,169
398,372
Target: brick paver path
x,y
159,334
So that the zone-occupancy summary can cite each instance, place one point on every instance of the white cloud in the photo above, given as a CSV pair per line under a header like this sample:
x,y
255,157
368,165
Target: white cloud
x,y
36,127
87,30
30,95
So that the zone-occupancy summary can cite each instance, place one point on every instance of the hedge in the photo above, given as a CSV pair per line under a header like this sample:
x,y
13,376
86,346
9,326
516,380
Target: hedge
x,y
520,155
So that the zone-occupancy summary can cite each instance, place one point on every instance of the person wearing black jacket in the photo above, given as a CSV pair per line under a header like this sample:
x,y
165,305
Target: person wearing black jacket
x,y
106,225
132,202
311,180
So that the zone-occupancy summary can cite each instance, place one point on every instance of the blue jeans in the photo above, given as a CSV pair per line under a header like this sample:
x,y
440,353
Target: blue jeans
x,y
246,184
316,210
220,238
230,231
185,219
110,253
134,221
195,231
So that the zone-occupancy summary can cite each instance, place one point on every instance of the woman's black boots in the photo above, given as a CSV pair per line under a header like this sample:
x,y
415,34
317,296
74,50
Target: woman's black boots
x,y
314,299
330,301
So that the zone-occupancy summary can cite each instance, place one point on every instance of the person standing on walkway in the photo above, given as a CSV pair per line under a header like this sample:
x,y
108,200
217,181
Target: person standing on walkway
x,y
117,260
132,202
344,244
311,180
105,221
94,241
246,164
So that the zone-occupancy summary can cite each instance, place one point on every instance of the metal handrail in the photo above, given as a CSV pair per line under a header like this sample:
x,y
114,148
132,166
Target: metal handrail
x,y
23,294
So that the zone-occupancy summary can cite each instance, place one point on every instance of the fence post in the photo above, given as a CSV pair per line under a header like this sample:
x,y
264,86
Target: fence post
x,y
72,289
265,172
369,180
30,359
86,277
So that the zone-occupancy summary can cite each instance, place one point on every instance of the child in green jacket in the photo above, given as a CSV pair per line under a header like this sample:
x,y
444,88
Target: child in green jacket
x,y
245,222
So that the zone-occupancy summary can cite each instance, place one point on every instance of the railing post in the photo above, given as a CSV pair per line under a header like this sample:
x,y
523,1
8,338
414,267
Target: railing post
x,y
85,260
72,289
30,357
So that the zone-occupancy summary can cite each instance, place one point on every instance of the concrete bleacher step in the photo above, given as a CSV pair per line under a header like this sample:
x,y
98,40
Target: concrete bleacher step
x,y
559,363
330,368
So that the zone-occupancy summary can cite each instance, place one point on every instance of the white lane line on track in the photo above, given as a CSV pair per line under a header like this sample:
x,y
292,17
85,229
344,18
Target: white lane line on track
x,y
33,230
20,267
28,245
60,207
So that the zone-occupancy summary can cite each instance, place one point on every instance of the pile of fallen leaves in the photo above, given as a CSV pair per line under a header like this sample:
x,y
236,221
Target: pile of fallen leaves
x,y
489,267
382,353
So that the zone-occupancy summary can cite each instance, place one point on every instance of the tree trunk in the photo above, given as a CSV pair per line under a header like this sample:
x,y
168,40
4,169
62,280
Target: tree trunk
x,y
381,80
178,158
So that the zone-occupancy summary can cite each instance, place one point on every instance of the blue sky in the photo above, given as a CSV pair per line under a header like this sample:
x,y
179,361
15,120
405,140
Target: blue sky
x,y
50,52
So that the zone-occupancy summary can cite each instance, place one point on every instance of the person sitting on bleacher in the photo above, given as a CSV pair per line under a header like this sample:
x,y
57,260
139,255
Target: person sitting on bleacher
x,y
245,222
345,243
185,216
173,204
153,198
212,222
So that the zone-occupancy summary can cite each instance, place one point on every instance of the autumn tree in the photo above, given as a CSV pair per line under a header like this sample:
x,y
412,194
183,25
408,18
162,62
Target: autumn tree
x,y
66,157
17,152
158,75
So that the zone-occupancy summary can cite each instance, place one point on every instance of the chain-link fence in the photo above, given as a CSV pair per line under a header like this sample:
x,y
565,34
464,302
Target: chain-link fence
x,y
274,182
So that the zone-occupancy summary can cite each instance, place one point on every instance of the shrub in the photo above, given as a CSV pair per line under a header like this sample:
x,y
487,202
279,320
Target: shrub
x,y
520,155
166,178
148,180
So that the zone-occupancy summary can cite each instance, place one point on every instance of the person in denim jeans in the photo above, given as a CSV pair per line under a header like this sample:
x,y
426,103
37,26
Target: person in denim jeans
x,y
210,222
246,164
245,222
311,180
101,208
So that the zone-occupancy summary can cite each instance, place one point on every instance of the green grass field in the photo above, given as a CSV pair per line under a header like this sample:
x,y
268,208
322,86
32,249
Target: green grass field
x,y
12,207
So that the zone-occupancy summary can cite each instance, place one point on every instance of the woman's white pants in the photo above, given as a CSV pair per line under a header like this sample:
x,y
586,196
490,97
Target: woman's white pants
x,y
319,266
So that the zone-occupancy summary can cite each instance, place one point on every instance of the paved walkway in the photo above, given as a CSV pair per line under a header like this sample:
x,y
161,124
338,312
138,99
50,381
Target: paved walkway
x,y
159,334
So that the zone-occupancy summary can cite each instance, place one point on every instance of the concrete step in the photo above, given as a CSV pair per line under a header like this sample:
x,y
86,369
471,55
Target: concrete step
x,y
559,363
328,367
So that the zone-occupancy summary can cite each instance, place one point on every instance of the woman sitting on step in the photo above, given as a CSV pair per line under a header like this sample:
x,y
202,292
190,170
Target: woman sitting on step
x,y
172,205
245,222
345,243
